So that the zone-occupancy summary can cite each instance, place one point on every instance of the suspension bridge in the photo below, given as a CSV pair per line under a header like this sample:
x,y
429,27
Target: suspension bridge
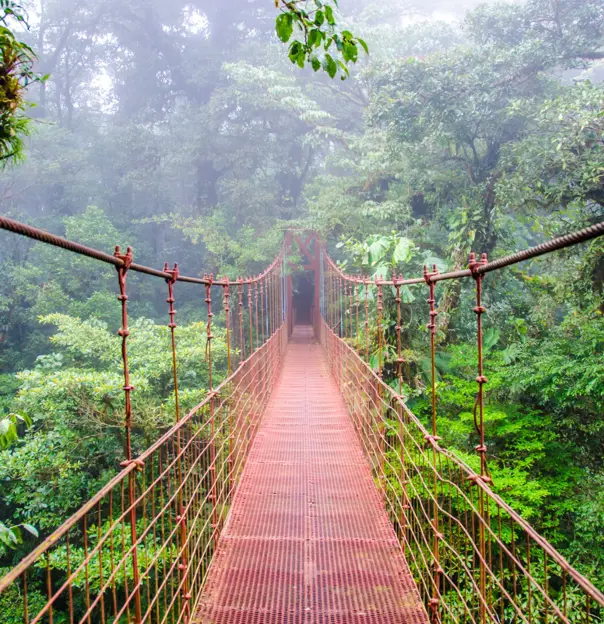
x,y
302,488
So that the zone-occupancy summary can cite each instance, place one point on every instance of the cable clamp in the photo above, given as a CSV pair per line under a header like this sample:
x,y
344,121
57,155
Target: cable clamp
x,y
139,463
474,264
432,439
173,275
125,258
475,478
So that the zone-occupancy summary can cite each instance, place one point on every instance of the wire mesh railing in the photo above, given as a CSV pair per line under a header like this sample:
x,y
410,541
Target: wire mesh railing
x,y
140,549
473,557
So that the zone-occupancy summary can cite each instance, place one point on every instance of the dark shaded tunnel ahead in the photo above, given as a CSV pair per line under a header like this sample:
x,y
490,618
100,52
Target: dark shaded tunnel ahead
x,y
303,298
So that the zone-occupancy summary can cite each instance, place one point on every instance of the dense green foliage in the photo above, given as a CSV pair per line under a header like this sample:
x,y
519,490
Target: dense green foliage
x,y
16,73
185,131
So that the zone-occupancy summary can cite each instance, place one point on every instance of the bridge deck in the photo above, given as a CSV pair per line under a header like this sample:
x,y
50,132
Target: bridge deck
x,y
307,540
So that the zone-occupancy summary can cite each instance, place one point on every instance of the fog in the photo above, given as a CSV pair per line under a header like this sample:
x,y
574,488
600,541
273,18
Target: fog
x,y
407,135
161,113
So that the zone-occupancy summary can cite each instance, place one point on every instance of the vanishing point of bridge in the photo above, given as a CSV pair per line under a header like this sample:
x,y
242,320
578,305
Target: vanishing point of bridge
x,y
301,489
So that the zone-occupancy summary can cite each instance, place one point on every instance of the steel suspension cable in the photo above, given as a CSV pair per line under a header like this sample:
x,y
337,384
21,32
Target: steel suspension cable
x,y
34,233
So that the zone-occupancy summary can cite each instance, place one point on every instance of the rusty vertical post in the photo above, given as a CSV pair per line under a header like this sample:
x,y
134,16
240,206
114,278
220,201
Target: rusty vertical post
x,y
481,448
250,310
269,304
432,328
231,450
367,321
262,299
356,297
257,316
241,321
329,299
346,308
340,307
227,310
288,284
282,312
380,413
398,329
124,332
330,296
380,333
290,302
402,431
368,425
345,328
277,298
172,325
282,303
351,290
209,338
480,379
181,513
273,300
339,323
433,440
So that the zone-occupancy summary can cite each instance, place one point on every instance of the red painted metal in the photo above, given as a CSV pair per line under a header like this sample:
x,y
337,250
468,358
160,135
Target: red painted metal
x,y
308,539
473,557
140,549
300,532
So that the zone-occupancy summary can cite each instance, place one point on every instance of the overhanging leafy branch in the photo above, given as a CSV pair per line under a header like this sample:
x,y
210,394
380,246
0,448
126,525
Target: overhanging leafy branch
x,y
315,23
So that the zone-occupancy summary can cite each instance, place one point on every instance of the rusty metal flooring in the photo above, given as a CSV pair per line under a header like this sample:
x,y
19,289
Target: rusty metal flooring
x,y
307,539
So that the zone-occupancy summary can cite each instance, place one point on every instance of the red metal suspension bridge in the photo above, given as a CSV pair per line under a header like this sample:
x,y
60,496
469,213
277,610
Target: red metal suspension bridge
x,y
302,488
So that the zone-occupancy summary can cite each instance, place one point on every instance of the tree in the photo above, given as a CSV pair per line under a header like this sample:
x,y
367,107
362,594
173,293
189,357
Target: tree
x,y
559,160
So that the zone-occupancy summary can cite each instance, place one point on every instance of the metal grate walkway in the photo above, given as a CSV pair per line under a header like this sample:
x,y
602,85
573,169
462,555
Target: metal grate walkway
x,y
307,540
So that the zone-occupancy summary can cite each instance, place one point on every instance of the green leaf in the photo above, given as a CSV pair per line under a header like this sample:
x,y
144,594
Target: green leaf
x,y
403,251
329,15
491,337
363,45
381,272
330,66
284,26
344,69
377,249
31,529
297,54
315,63
350,52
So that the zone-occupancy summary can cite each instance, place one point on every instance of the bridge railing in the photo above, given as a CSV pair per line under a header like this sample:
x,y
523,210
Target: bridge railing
x,y
473,557
140,549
